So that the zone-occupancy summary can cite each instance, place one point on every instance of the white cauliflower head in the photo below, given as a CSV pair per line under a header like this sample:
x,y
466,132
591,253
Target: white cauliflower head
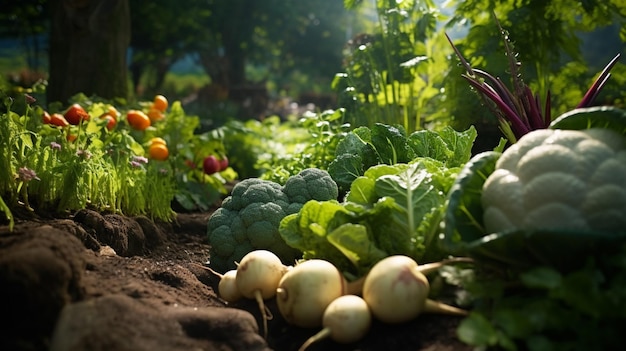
x,y
559,179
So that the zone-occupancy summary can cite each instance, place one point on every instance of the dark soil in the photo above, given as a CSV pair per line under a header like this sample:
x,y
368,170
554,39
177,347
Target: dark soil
x,y
95,281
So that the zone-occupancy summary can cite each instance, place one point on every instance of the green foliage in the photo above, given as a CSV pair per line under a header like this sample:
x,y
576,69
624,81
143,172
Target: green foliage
x,y
544,309
394,75
43,169
365,147
276,150
389,209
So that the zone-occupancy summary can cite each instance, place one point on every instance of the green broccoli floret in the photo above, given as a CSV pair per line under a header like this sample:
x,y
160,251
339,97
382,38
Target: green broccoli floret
x,y
311,184
249,218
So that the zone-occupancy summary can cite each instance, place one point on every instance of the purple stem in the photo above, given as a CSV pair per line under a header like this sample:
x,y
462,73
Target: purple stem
x,y
517,125
535,120
502,91
597,85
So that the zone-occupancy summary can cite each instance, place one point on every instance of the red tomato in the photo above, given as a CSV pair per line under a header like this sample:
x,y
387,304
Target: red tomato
x,y
75,114
111,121
57,119
210,164
46,117
223,163
112,112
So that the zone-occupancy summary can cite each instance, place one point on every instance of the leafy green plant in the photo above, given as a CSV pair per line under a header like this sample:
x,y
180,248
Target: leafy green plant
x,y
390,209
275,150
544,309
364,147
394,75
96,164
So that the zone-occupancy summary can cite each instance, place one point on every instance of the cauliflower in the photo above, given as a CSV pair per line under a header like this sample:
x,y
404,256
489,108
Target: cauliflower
x,y
559,179
249,218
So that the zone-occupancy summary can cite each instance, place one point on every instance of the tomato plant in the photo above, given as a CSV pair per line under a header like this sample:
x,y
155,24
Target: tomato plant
x,y
138,119
76,114
211,165
160,103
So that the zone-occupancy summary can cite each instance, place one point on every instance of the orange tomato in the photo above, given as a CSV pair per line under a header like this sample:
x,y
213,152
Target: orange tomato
x,y
157,140
160,103
138,119
76,114
57,119
158,151
155,114
111,111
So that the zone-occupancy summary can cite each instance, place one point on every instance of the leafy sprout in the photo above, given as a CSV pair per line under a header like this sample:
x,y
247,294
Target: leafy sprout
x,y
518,110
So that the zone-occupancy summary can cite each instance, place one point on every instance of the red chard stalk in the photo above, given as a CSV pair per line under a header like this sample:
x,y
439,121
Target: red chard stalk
x,y
519,111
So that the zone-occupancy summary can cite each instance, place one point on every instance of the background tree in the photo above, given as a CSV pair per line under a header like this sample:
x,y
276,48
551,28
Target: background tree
x,y
88,44
163,32
28,21
24,27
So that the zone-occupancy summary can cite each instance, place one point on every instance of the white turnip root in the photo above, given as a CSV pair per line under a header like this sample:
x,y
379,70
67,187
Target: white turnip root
x,y
396,290
227,287
257,277
346,319
307,289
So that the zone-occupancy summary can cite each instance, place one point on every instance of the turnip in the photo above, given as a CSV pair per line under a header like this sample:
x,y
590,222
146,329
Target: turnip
x,y
345,320
257,277
307,289
396,290
227,287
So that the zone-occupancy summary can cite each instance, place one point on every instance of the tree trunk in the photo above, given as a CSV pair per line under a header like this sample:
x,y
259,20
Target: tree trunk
x,y
88,44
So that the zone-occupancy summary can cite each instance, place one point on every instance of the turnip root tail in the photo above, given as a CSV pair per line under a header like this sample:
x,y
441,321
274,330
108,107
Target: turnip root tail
x,y
322,334
265,312
437,307
216,273
431,267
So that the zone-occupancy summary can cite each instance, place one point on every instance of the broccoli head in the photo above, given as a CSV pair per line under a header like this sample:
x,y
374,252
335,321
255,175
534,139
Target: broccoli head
x,y
250,217
311,184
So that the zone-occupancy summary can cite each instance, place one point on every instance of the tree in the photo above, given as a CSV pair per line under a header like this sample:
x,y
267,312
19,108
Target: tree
x,y
88,44
26,20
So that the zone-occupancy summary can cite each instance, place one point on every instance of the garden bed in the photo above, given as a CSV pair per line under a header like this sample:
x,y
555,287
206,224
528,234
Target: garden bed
x,y
96,281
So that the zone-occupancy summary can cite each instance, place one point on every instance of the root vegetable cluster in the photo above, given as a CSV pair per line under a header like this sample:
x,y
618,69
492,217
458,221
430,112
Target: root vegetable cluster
x,y
315,294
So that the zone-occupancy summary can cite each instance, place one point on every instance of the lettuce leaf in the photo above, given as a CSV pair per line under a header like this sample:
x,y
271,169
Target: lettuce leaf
x,y
389,210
